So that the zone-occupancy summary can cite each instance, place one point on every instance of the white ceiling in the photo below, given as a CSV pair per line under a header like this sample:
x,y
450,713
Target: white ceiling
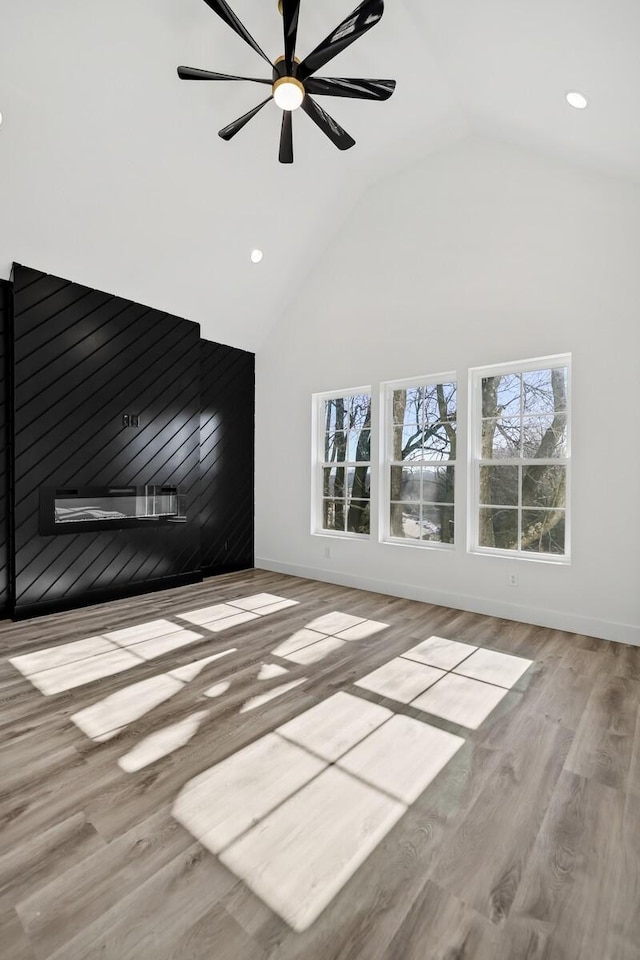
x,y
112,173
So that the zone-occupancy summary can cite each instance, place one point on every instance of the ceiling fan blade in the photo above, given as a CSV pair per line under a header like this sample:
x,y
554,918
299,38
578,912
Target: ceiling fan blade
x,y
356,24
225,12
230,131
194,73
348,87
290,11
286,138
327,124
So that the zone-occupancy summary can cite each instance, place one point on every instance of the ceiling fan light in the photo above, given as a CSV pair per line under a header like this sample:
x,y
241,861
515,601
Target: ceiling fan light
x,y
288,93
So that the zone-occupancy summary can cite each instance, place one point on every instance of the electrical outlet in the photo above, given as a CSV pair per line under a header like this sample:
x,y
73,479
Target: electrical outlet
x,y
327,553
512,580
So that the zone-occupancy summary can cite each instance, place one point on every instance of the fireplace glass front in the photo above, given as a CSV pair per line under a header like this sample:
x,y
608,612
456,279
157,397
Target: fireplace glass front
x,y
74,509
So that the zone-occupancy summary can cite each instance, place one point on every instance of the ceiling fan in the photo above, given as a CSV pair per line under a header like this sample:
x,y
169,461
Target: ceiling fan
x,y
292,81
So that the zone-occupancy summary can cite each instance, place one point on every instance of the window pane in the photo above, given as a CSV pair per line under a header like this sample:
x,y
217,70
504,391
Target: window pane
x,y
345,439
543,531
333,512
358,482
522,504
407,443
358,411
508,394
333,482
545,391
407,406
499,485
499,528
437,523
359,445
335,446
544,437
544,486
501,438
334,415
440,402
439,442
396,518
358,516
438,484
405,483
501,395
405,520
424,430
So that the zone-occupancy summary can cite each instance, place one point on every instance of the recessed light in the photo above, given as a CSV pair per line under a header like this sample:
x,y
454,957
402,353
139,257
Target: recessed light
x,y
256,256
577,100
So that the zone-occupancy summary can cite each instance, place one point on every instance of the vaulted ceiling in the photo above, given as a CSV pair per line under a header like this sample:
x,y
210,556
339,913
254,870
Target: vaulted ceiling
x,y
112,173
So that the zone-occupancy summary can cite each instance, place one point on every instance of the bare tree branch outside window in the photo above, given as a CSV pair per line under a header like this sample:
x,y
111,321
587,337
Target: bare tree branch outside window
x,y
422,468
522,482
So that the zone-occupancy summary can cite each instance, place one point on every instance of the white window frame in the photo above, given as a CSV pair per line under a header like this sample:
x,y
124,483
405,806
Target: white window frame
x,y
475,459
318,462
386,445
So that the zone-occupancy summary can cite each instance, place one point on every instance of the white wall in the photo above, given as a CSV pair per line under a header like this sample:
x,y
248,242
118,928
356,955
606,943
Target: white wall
x,y
482,254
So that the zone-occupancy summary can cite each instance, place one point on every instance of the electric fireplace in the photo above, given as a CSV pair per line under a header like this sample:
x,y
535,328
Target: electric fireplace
x,y
74,509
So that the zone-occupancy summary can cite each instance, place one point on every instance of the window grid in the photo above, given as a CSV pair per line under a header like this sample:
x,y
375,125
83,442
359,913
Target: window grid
x,y
342,492
432,511
521,462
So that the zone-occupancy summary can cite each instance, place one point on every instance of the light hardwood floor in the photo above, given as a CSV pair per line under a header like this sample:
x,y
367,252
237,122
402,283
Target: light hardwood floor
x,y
213,774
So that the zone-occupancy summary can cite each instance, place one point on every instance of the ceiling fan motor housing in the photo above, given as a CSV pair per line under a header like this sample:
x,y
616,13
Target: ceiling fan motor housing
x,y
280,68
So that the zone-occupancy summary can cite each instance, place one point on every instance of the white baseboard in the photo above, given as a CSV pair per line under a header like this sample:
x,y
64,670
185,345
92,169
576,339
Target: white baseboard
x,y
541,617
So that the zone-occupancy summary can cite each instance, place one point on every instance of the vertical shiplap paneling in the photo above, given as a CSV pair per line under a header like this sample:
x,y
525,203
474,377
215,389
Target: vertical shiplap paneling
x,y
82,358
227,457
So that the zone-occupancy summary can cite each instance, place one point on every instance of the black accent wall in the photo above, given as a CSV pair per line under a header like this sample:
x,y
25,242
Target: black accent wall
x,y
226,457
5,294
82,359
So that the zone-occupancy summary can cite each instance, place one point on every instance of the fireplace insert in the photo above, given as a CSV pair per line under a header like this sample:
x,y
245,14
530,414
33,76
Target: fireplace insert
x,y
74,509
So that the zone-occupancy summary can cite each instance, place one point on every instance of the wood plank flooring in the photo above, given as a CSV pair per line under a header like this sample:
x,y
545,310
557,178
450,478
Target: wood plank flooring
x,y
183,808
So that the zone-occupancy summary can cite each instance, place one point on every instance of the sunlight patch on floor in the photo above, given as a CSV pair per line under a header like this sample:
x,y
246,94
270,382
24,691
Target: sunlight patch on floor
x,y
106,718
78,672
223,616
325,635
460,700
400,679
217,689
296,813
441,653
161,743
332,727
258,701
300,856
68,665
219,805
